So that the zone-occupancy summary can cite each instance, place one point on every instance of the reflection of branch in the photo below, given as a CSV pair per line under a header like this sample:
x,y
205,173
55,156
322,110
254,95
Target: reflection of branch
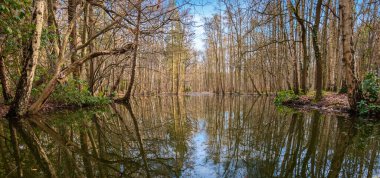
x,y
31,140
142,151
237,142
73,147
120,115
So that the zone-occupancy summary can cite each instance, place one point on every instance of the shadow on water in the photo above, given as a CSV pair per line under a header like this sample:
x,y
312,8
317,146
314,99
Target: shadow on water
x,y
198,136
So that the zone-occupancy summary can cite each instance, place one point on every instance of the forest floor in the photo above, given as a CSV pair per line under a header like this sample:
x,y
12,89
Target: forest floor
x,y
330,103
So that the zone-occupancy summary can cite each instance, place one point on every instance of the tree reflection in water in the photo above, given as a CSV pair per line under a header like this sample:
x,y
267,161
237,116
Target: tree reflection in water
x,y
198,136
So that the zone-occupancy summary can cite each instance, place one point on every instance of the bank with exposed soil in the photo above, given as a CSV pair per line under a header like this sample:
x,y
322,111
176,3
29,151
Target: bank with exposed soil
x,y
330,103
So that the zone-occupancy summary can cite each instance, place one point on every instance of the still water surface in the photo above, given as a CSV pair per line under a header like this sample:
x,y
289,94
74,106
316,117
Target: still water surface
x,y
198,136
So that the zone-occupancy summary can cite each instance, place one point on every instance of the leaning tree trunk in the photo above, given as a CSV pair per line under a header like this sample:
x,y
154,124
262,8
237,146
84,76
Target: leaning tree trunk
x,y
62,75
134,57
20,105
354,95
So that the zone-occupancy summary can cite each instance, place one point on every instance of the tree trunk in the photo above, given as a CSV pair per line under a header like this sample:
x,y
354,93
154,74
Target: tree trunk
x,y
117,82
317,53
4,83
305,67
135,51
292,51
324,44
72,10
306,58
55,41
354,95
24,87
332,56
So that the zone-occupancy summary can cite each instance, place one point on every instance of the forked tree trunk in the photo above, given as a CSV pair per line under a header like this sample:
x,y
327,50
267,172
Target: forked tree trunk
x,y
306,58
24,87
292,51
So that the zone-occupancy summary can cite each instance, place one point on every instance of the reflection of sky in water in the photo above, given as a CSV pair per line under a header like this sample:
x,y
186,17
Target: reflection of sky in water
x,y
202,167
244,164
222,141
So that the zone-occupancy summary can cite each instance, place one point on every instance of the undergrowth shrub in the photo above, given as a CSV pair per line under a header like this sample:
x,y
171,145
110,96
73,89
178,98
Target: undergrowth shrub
x,y
285,96
370,89
343,90
366,108
69,94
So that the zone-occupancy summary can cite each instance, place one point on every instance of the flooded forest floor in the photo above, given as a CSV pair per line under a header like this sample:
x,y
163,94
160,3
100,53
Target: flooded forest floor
x,y
331,103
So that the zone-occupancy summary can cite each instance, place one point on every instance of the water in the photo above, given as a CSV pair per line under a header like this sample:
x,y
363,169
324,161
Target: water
x,y
197,136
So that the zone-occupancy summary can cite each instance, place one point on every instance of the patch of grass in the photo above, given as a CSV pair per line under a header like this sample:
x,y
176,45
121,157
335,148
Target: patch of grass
x,y
285,96
285,109
188,89
310,94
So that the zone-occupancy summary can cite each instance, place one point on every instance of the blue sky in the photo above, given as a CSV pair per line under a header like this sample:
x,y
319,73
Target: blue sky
x,y
201,9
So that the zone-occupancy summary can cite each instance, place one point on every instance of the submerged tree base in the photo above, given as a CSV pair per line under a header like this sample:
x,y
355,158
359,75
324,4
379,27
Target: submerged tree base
x,y
53,107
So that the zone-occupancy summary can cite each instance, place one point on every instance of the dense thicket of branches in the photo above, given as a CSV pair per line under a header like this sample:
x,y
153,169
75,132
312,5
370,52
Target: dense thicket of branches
x,y
139,47
105,47
268,46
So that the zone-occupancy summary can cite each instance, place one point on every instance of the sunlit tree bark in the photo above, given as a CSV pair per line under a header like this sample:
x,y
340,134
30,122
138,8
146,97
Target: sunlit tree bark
x,y
20,104
346,8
